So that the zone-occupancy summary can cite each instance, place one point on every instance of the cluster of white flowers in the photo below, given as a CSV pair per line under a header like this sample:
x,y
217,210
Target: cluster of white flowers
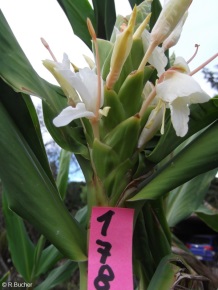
x,y
175,89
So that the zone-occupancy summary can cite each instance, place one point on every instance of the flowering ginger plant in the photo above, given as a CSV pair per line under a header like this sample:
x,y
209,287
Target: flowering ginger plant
x,y
139,125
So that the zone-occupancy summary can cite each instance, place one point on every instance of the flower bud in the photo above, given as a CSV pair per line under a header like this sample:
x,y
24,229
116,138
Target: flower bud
x,y
174,36
122,47
169,17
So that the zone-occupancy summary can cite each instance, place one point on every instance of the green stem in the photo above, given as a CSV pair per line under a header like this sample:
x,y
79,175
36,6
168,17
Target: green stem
x,y
83,270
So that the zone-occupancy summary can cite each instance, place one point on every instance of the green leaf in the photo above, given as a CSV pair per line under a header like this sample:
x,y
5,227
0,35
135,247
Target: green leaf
x,y
135,2
4,278
58,276
105,15
20,246
16,70
32,195
184,200
199,156
209,216
77,12
164,276
63,172
24,116
142,251
157,237
155,12
49,257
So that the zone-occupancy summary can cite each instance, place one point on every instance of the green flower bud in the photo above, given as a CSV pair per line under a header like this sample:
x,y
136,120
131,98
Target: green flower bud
x,y
121,51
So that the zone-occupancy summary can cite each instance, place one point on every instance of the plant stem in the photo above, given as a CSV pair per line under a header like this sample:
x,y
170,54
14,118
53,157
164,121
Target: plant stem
x,y
83,269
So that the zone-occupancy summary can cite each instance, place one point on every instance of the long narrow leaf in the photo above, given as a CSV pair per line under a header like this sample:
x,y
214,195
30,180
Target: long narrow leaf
x,y
20,246
200,156
105,17
31,194
16,71
49,257
77,12
165,274
184,200
63,172
58,276
209,216
135,2
23,113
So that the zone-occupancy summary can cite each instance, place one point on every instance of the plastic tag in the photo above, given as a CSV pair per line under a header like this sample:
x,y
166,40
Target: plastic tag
x,y
110,249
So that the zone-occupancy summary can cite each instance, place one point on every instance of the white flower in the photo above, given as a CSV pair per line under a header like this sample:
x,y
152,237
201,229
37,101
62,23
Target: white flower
x,y
179,90
62,72
82,89
86,83
153,124
157,58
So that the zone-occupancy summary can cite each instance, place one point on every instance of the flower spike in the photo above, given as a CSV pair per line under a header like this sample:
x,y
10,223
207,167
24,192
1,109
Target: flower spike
x,y
122,47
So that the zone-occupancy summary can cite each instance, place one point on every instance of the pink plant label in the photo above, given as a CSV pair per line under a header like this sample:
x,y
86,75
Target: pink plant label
x,y
110,249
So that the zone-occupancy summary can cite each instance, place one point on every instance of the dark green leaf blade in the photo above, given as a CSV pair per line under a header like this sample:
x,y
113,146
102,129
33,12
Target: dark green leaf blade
x,y
23,112
63,172
77,12
135,2
201,155
32,195
184,200
49,257
58,276
105,15
17,72
209,216
20,246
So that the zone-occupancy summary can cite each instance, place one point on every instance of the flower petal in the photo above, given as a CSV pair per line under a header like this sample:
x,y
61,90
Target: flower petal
x,y
181,65
158,58
86,83
69,114
62,73
180,116
177,85
174,36
152,126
